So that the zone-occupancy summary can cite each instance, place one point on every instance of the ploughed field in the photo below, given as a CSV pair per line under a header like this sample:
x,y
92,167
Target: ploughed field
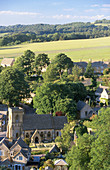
x,y
94,49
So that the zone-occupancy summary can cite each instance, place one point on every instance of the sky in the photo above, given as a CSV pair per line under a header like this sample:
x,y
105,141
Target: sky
x,y
25,12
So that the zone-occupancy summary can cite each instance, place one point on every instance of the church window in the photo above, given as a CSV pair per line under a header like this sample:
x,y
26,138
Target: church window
x,y
17,135
17,119
27,135
42,134
49,134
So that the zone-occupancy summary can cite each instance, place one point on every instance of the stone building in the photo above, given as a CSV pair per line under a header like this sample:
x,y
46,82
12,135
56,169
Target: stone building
x,y
37,128
14,154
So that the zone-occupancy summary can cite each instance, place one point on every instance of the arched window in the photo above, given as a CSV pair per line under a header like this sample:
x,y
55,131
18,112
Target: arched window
x,y
42,135
27,135
57,133
17,119
17,135
49,134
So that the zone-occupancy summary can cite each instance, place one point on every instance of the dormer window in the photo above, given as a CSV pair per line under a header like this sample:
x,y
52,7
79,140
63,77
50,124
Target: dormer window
x,y
20,158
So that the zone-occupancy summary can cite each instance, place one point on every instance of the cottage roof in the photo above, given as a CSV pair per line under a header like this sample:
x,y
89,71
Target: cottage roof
x,y
44,121
21,143
60,162
54,149
80,105
7,61
5,162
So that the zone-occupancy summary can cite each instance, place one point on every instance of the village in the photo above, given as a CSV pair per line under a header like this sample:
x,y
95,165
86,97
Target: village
x,y
38,132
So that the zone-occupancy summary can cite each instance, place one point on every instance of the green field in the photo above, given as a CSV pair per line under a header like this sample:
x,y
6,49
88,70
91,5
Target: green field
x,y
94,49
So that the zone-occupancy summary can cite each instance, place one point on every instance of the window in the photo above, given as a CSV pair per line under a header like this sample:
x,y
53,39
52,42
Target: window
x,y
85,113
57,133
17,119
49,134
20,158
27,135
1,153
42,134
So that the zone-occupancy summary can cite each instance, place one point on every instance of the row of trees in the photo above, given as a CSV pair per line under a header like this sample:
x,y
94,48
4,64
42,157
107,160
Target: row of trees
x,y
45,32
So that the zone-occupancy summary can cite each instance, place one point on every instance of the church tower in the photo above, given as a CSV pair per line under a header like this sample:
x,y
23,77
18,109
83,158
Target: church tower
x,y
15,122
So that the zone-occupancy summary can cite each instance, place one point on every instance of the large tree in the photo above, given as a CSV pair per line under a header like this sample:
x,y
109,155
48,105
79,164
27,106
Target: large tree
x,y
13,87
41,61
63,63
89,71
25,62
79,156
54,97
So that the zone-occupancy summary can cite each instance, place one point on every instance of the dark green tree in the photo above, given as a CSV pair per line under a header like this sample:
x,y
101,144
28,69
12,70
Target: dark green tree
x,y
80,129
89,71
25,62
76,71
63,63
55,97
79,156
51,73
41,61
13,87
65,139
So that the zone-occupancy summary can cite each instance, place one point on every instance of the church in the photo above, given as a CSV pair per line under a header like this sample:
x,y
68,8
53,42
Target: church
x,y
37,128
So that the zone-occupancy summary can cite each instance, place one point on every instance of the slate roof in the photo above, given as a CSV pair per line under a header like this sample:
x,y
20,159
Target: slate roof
x,y
54,149
44,121
99,90
59,122
7,61
21,143
80,105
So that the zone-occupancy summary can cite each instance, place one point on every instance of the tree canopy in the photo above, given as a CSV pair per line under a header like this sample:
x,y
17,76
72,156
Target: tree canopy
x,y
41,61
13,87
62,63
54,97
89,71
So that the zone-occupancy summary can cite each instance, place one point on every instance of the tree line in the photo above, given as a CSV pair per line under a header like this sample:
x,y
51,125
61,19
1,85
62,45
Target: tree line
x,y
44,32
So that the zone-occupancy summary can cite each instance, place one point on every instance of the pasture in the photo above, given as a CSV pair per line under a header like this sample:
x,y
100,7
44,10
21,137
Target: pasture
x,y
94,49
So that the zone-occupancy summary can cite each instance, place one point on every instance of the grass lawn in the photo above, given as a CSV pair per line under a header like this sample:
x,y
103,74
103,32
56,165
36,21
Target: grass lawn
x,y
95,49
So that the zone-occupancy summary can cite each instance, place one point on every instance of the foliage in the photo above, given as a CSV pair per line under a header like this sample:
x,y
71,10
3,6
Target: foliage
x,y
54,97
44,32
76,71
41,61
93,152
13,87
100,152
80,129
89,71
106,71
79,156
51,73
25,62
62,63
65,139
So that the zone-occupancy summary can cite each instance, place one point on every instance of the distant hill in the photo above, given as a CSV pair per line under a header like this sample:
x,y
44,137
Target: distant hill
x,y
16,34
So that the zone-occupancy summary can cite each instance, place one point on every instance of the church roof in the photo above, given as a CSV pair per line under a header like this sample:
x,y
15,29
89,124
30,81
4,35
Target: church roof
x,y
44,121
